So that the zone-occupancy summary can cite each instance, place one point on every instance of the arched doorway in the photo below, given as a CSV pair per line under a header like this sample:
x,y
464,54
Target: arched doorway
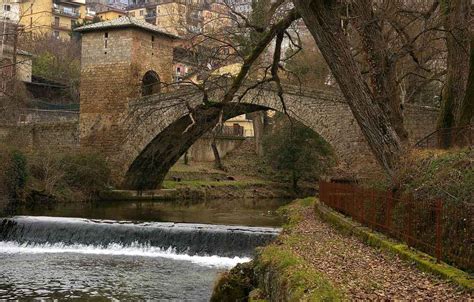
x,y
150,83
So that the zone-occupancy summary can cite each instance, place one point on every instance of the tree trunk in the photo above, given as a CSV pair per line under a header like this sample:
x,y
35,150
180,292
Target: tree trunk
x,y
467,108
186,158
322,20
294,181
215,151
15,49
217,157
258,128
382,68
456,23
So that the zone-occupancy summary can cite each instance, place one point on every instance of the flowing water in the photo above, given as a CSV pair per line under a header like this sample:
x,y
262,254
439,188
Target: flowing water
x,y
129,250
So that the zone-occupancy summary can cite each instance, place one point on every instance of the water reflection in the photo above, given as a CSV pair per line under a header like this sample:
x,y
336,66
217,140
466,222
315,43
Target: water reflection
x,y
251,212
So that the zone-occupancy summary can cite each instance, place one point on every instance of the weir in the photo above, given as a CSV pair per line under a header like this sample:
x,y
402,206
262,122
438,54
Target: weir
x,y
96,236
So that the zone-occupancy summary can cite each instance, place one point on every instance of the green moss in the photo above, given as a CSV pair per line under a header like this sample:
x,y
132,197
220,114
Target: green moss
x,y
293,278
234,285
429,264
279,273
292,211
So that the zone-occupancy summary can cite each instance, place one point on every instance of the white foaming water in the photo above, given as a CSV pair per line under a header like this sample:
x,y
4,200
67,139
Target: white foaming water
x,y
10,247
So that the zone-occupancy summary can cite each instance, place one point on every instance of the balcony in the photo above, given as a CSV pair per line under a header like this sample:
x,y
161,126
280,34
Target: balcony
x,y
70,2
65,11
60,26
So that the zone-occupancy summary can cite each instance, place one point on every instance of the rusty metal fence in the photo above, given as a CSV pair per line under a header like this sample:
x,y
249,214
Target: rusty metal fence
x,y
446,137
441,229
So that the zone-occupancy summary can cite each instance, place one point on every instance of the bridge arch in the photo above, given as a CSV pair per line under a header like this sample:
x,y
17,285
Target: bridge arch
x,y
152,164
161,127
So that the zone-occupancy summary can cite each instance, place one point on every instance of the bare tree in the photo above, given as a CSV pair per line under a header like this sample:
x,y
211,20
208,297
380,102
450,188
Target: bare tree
x,y
467,108
323,20
456,17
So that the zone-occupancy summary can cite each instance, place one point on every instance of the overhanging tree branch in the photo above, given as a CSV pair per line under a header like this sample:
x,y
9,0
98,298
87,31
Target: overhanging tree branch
x,y
278,27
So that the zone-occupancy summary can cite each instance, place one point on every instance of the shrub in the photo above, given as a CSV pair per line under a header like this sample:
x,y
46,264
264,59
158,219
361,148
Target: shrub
x,y
295,151
14,175
69,175
87,172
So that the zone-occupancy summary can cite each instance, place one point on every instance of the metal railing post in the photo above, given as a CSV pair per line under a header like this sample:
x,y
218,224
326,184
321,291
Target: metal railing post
x,y
372,201
388,211
439,213
409,205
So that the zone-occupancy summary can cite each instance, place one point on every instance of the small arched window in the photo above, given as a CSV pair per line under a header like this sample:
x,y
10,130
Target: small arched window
x,y
150,83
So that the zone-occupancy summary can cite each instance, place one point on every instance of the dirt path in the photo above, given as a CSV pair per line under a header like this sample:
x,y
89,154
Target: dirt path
x,y
364,272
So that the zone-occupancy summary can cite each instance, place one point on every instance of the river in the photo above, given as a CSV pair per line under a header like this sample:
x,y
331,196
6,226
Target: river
x,y
128,250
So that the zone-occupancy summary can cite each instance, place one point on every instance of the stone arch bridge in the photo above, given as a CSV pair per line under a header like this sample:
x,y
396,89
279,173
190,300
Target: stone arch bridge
x,y
158,129
125,58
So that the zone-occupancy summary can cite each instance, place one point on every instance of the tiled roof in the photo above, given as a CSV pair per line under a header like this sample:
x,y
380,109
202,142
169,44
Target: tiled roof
x,y
123,22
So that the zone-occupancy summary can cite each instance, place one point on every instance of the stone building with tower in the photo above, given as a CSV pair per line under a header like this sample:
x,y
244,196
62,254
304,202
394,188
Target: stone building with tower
x,y
122,59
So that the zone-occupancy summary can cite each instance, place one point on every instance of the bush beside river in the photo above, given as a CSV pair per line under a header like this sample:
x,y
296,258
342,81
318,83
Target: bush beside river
x,y
42,176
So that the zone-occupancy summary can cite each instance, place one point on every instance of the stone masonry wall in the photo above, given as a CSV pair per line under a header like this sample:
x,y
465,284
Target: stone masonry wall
x,y
105,77
112,75
154,55
53,136
201,150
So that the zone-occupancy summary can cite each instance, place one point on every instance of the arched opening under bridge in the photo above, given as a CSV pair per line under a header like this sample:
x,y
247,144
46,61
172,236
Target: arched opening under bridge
x,y
150,83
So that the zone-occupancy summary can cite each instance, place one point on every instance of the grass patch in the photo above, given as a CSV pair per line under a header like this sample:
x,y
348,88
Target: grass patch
x,y
292,211
446,174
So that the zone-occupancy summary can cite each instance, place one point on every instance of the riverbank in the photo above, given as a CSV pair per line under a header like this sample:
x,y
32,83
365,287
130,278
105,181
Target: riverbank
x,y
313,261
47,177
210,190
202,181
